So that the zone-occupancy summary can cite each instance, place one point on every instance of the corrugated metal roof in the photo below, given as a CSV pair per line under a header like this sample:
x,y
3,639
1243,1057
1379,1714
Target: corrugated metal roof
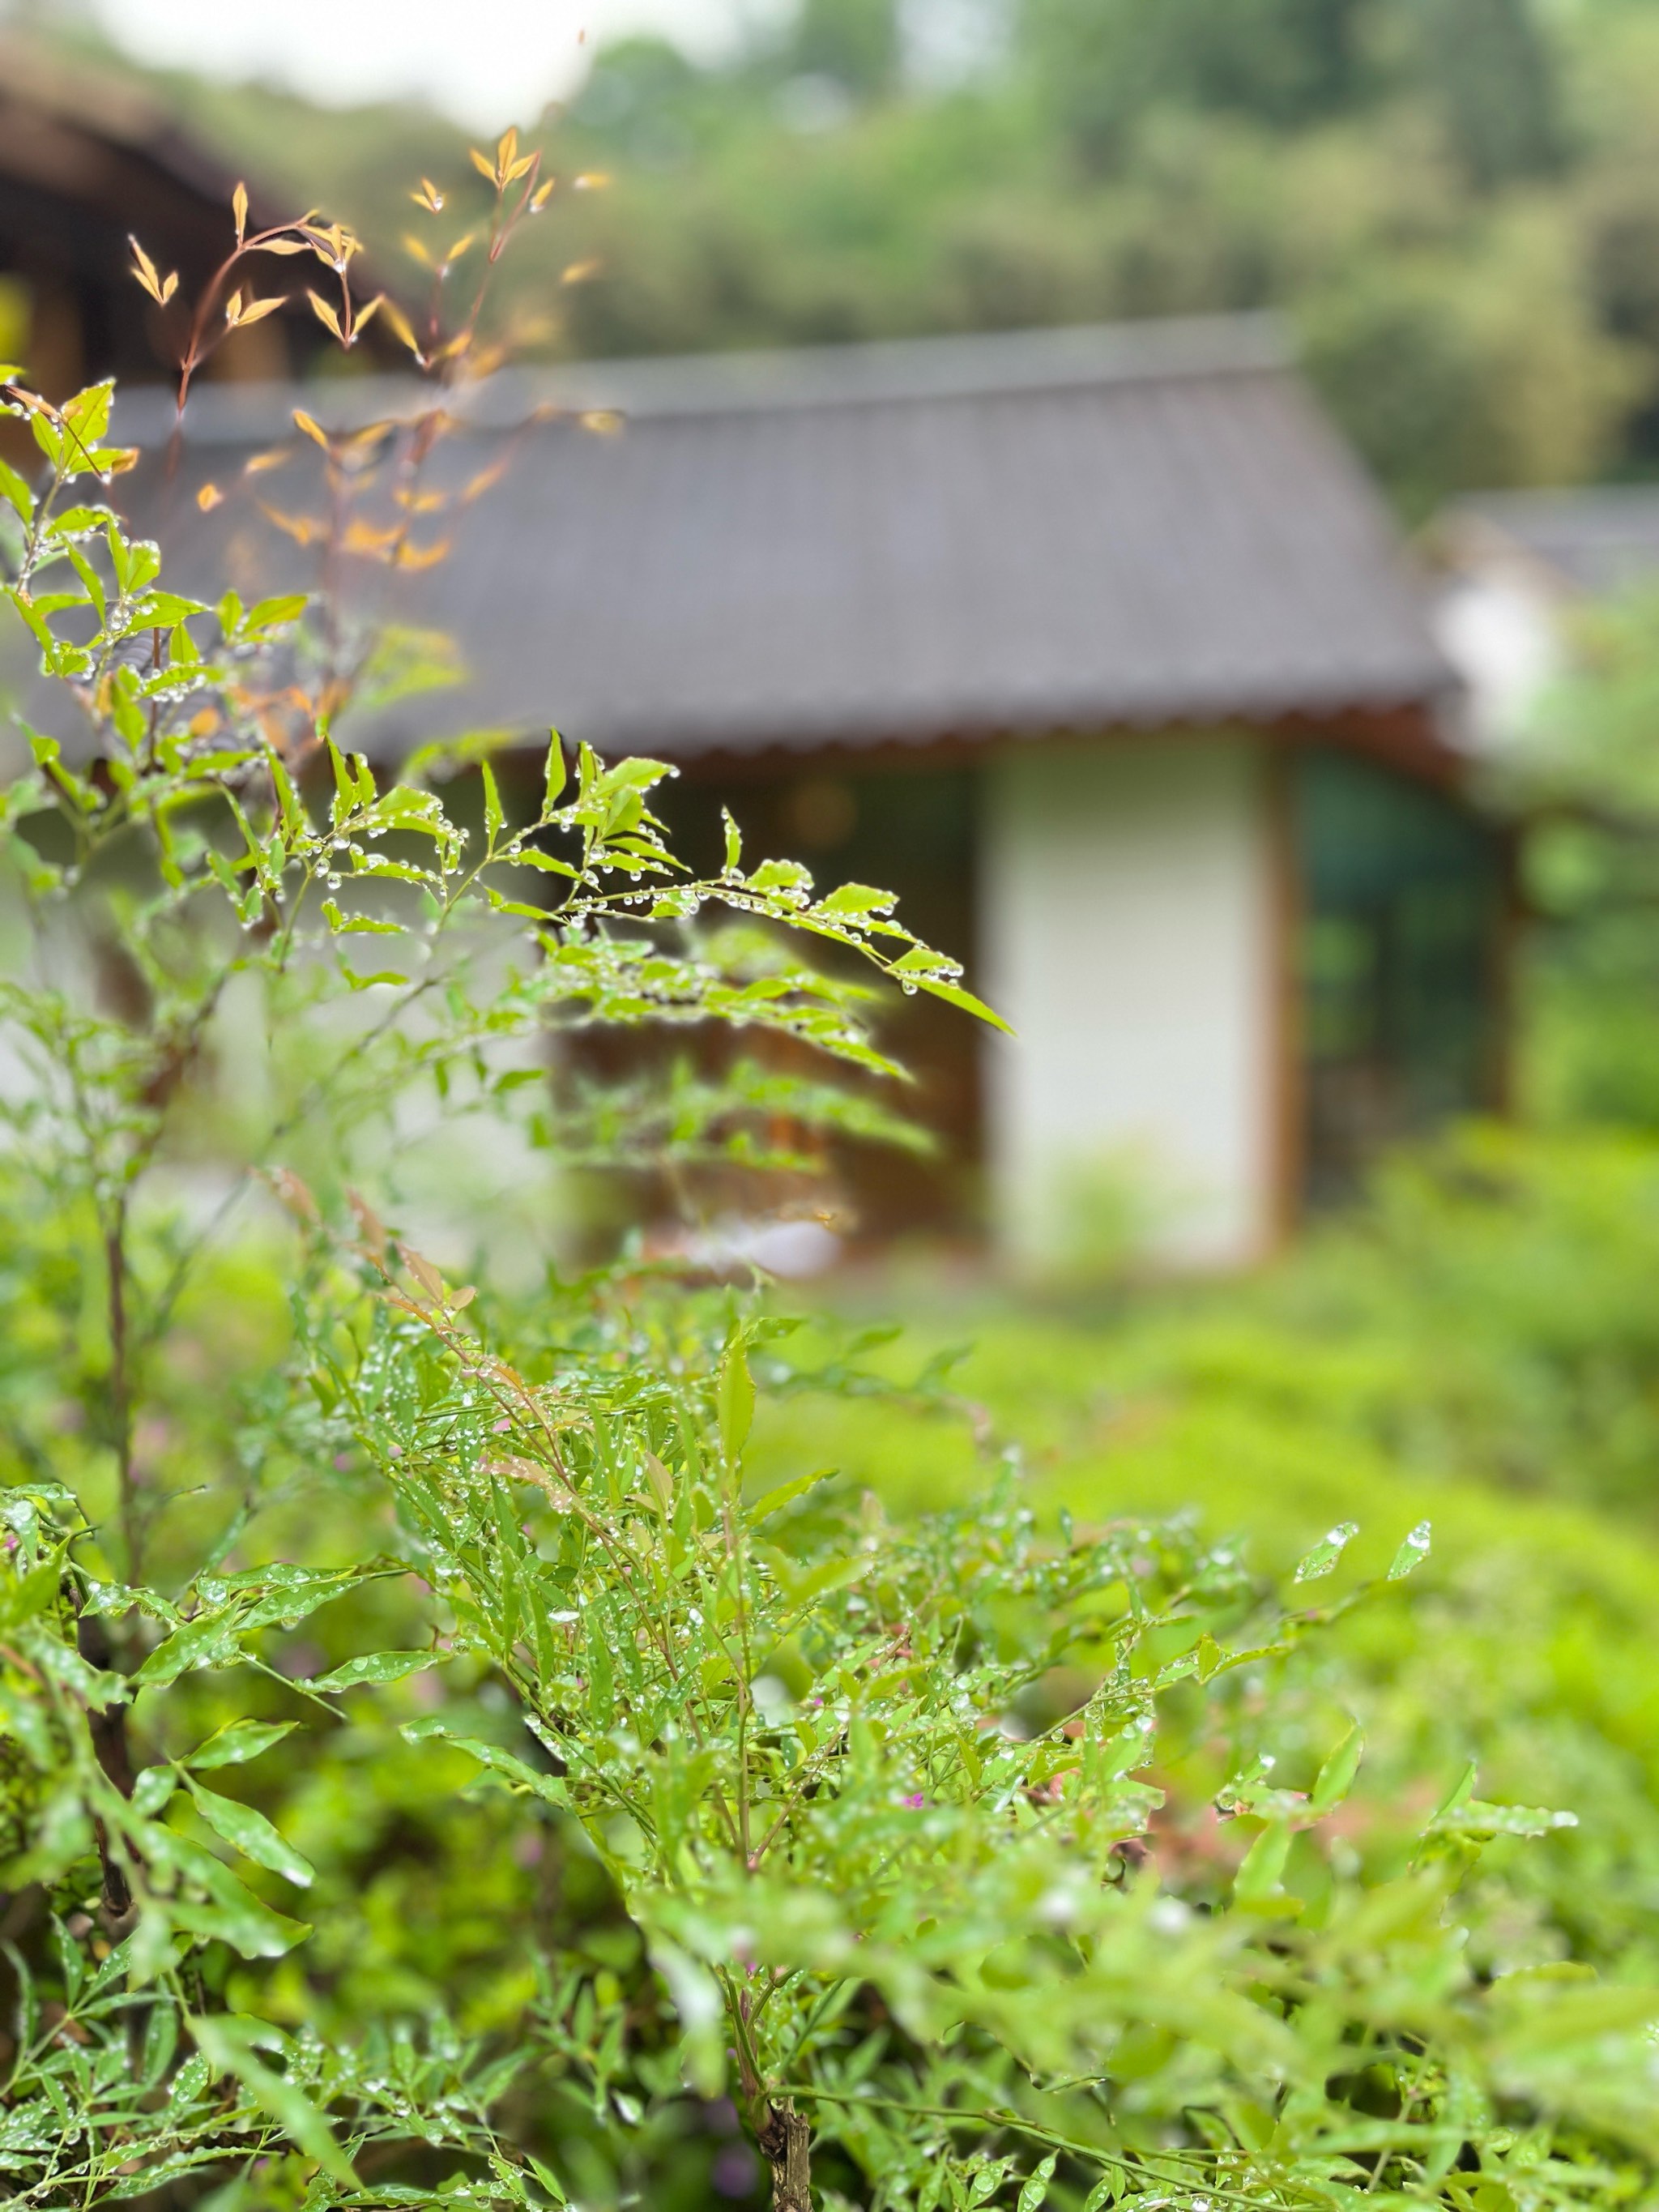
x,y
1054,529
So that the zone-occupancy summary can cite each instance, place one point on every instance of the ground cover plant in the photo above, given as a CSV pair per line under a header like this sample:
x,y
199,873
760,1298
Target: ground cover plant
x,y
667,1831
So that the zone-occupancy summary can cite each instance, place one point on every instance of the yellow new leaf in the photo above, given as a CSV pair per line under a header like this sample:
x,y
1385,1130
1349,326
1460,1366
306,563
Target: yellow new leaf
x,y
169,285
400,325
313,428
239,208
144,270
326,315
541,196
257,310
208,497
591,180
428,197
277,458
482,163
580,271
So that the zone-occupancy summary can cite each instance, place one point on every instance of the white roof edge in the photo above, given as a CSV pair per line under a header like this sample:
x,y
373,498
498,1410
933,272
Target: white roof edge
x,y
1077,356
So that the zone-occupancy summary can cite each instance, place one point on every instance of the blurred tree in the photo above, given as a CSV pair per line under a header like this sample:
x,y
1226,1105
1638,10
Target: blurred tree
x,y
1494,73
854,43
1101,64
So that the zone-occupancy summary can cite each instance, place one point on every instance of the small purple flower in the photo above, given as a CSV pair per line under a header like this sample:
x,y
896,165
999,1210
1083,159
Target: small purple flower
x,y
916,1802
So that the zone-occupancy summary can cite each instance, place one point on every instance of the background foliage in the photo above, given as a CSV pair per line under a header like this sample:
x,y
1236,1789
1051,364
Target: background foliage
x,y
1456,200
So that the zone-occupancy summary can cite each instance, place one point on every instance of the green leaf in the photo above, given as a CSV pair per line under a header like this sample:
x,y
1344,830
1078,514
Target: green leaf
x,y
553,774
495,819
273,613
207,1640
1263,1868
1323,1560
785,1493
1412,1552
224,2045
251,1834
1336,1776
242,1740
858,899
15,492
1036,2191
235,1915
430,1729
375,1667
734,1398
733,843
87,413
964,1001
531,856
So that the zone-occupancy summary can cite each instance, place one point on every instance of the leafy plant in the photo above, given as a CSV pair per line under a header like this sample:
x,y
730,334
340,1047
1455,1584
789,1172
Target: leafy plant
x,y
845,1820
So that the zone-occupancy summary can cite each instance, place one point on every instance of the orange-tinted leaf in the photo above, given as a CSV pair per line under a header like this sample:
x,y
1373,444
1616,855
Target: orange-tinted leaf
x,y
208,497
277,458
313,428
303,529
239,208
422,556
422,1270
363,537
603,422
591,180
428,197
169,285
485,481
482,163
294,1194
580,271
541,196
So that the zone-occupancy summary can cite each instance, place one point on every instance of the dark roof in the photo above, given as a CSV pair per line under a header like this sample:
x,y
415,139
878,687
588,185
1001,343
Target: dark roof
x,y
1067,529
1596,540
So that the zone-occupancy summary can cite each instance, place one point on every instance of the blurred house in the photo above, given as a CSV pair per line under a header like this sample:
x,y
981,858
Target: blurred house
x,y
1094,644
1513,564
86,159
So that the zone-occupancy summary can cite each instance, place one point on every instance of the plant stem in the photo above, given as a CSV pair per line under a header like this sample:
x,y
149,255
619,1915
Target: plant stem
x,y
120,1389
787,2139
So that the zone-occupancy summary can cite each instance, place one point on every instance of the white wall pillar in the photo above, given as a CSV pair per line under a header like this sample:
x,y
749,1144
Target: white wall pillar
x,y
1130,935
